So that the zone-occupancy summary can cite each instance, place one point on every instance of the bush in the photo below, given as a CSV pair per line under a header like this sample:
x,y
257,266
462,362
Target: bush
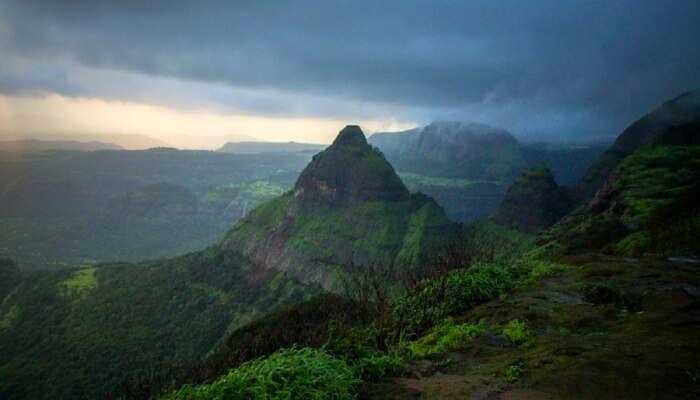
x,y
517,331
294,373
539,268
431,300
513,372
603,294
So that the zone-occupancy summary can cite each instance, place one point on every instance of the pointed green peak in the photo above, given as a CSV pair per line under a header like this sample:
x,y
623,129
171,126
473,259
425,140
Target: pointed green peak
x,y
351,135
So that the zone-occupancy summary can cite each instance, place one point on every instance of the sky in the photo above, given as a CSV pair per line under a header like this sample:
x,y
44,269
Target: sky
x,y
301,70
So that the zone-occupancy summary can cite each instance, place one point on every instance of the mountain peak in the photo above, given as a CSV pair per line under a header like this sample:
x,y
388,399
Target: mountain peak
x,y
348,172
351,135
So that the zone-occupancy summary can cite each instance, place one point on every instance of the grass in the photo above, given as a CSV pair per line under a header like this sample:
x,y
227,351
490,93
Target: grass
x,y
82,281
517,331
446,336
294,373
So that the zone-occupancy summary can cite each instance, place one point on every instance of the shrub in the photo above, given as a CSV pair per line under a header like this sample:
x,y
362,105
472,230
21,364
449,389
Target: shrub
x,y
513,372
431,300
287,374
517,331
603,294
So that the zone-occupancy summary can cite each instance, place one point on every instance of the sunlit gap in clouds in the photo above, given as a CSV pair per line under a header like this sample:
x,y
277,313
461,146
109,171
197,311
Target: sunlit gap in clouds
x,y
21,116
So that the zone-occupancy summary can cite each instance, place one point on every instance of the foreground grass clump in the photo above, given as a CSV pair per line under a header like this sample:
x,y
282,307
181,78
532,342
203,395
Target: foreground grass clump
x,y
294,373
377,367
513,372
517,331
445,337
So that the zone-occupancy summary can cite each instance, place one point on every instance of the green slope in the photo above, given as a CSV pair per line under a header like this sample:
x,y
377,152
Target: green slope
x,y
643,186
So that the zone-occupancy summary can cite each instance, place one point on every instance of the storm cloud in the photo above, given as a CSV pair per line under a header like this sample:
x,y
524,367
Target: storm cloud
x,y
546,69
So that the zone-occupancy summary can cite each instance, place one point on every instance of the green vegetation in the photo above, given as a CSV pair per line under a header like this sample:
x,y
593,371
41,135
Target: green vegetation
x,y
647,205
287,374
431,300
517,331
81,281
135,328
513,372
445,336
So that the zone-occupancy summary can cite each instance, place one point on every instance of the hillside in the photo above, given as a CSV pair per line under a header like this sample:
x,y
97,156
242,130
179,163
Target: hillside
x,y
646,205
680,110
348,206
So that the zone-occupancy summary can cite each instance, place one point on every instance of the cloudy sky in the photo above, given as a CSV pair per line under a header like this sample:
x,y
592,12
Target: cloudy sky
x,y
300,70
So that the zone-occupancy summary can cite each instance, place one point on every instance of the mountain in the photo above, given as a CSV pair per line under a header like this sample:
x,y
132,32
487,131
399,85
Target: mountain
x,y
533,202
680,110
348,206
129,141
468,167
246,147
205,142
647,204
127,330
33,145
452,149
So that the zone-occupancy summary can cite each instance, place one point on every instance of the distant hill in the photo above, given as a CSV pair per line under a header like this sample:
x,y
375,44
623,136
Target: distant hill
x,y
680,110
348,206
63,209
454,150
123,140
34,145
206,142
533,202
468,167
269,147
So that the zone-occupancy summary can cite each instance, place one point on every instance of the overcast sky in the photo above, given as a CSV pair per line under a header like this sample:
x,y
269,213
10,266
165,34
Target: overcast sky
x,y
299,70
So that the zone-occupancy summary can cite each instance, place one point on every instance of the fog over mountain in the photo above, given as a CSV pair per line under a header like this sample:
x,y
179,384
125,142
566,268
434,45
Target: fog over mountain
x,y
543,70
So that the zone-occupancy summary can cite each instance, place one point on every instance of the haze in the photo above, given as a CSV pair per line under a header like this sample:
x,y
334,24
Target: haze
x,y
301,70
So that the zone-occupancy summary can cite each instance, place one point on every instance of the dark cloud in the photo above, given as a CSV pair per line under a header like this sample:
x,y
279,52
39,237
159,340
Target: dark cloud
x,y
548,67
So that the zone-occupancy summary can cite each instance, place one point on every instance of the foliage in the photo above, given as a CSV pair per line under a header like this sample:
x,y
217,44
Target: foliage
x,y
517,331
375,368
141,327
605,293
293,373
445,336
535,268
81,281
513,372
431,300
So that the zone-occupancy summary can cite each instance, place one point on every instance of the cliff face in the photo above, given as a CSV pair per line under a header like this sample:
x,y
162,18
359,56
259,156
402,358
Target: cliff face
x,y
348,205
